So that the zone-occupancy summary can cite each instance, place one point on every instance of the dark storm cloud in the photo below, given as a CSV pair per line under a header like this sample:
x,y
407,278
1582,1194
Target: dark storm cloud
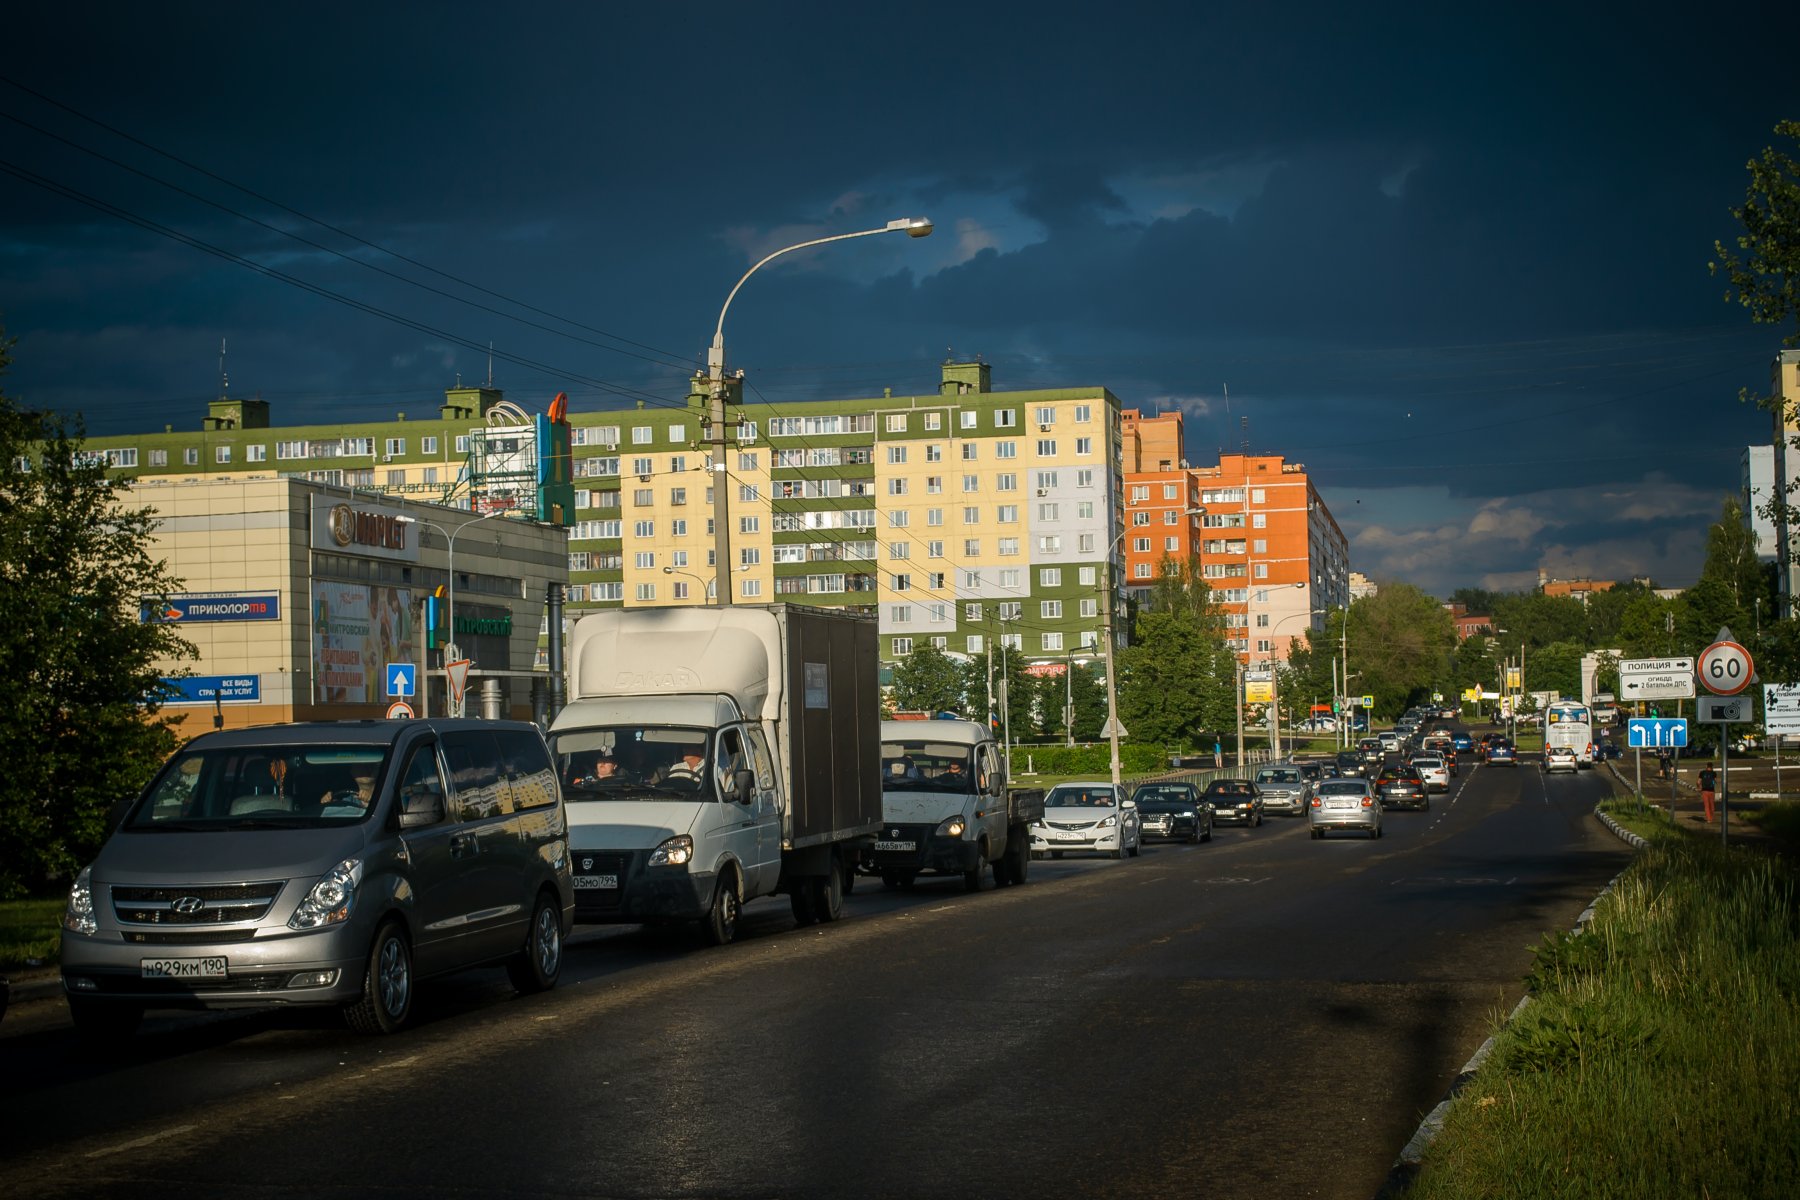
x,y
1432,252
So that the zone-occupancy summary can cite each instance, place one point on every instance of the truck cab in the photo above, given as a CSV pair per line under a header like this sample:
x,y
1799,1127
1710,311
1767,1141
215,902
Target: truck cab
x,y
946,807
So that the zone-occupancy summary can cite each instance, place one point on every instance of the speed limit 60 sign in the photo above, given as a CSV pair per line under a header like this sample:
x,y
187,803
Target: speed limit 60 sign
x,y
1725,668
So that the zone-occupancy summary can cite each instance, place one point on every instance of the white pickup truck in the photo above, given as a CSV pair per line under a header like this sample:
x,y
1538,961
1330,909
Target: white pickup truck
x,y
946,806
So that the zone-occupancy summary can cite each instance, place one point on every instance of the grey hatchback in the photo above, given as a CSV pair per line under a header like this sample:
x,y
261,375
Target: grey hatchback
x,y
329,863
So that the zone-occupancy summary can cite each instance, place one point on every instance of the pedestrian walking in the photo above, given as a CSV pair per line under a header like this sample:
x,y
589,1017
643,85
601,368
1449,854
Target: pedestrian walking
x,y
1707,779
1218,753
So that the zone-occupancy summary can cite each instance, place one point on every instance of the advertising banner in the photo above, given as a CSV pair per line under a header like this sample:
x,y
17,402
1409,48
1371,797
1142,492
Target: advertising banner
x,y
358,628
204,689
1258,691
214,606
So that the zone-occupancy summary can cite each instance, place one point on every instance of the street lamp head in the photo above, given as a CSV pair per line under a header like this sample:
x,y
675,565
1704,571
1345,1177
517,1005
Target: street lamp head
x,y
914,226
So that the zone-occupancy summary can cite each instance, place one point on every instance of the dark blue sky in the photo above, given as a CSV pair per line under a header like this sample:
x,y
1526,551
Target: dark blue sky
x,y
1455,263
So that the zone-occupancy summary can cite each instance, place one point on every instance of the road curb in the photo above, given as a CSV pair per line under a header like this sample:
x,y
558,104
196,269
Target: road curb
x,y
32,984
1624,835
1412,1156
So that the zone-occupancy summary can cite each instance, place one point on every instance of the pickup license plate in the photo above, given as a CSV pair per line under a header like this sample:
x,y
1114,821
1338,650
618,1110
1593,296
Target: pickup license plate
x,y
896,845
182,968
585,882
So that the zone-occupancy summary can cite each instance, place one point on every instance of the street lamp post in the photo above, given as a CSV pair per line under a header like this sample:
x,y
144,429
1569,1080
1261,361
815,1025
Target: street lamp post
x,y
450,536
1275,676
715,371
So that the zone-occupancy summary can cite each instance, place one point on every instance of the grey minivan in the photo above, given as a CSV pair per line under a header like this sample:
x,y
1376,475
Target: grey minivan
x,y
331,863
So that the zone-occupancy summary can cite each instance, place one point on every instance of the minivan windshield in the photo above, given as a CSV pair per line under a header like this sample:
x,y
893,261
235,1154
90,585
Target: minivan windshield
x,y
630,762
262,787
925,766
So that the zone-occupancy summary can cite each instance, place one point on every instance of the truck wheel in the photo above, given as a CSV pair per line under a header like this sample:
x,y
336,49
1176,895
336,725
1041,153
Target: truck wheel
x,y
719,925
972,878
849,877
828,895
806,912
1020,853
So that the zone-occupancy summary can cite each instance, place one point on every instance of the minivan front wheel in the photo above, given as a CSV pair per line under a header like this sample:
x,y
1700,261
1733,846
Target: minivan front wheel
x,y
386,1002
537,967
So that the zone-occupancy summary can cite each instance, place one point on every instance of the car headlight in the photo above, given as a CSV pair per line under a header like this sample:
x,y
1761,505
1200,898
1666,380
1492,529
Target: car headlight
x,y
678,851
1107,822
951,827
1188,813
329,901
78,914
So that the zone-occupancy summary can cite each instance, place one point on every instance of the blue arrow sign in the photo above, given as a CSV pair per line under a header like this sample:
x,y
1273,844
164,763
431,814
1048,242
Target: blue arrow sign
x,y
402,678
1651,733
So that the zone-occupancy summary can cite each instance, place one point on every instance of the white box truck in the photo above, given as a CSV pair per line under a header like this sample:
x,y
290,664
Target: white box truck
x,y
712,755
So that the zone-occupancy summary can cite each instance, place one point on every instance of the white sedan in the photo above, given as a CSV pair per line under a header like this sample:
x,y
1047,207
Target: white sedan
x,y
1434,771
1560,758
1091,817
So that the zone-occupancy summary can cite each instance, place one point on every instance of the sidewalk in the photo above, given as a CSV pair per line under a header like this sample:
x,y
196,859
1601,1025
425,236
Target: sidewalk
x,y
1751,786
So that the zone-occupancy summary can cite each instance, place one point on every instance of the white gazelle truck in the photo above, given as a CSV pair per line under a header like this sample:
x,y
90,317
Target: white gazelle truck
x,y
712,755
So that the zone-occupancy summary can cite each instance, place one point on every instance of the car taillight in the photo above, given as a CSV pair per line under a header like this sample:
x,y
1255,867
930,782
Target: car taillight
x,y
1367,802
1315,802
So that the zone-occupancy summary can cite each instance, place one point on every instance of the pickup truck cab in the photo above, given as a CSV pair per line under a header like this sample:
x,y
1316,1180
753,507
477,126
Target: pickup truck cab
x,y
946,807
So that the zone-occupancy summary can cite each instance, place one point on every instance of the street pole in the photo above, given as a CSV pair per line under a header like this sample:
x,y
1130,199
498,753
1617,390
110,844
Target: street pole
x,y
1069,698
1112,683
715,372
1240,716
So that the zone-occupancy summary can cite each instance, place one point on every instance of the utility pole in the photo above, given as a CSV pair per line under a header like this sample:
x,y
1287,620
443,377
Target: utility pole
x,y
1240,714
1112,684
1069,698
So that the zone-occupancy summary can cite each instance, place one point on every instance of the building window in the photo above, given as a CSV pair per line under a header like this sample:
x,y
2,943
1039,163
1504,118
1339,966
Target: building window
x,y
256,454
222,454
1085,543
159,458
896,487
1046,447
678,433
394,446
971,451
934,420
1050,544
934,549
1258,496
396,479
642,435
1083,413
971,483
896,454
749,524
1140,493
935,581
971,612
1050,610
1006,481
678,526
643,529
1141,571
677,495
749,556
934,453
969,417
748,493
1140,545
900,614
934,516
1046,416
1009,546
902,647
899,518
1090,608
646,591
1005,418
428,445
1007,514
1010,610
1050,577
934,484
899,550
1084,445
1006,449
1086,576
1053,641
644,560
1049,512
462,447
972,549
896,423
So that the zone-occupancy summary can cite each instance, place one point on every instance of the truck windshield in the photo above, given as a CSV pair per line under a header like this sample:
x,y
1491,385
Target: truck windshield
x,y
262,787
625,762
927,767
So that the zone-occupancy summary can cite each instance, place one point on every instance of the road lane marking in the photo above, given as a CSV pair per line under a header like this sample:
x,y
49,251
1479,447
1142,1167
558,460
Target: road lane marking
x,y
139,1143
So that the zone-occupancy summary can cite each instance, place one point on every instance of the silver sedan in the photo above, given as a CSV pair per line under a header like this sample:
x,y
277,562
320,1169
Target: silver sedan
x,y
1344,804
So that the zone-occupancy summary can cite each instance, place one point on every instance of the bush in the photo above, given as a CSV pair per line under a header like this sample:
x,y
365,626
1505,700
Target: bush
x,y
1095,760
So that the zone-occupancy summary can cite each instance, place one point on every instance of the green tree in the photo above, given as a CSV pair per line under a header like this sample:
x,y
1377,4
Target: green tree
x,y
1764,270
80,673
1178,676
929,680
1400,643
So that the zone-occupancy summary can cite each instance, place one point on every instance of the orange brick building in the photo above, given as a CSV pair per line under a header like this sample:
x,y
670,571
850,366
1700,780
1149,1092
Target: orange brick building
x,y
1265,541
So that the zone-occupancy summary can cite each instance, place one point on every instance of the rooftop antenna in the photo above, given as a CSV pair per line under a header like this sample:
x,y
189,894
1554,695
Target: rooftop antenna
x,y
1244,425
224,380
490,381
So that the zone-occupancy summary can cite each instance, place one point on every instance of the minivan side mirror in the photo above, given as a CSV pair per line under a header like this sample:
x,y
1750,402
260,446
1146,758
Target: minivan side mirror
x,y
420,807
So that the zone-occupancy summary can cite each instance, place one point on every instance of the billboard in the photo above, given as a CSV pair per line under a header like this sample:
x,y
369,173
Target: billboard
x,y
1258,691
214,606
358,628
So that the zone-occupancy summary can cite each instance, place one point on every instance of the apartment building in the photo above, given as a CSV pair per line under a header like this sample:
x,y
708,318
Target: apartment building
x,y
958,517
1254,525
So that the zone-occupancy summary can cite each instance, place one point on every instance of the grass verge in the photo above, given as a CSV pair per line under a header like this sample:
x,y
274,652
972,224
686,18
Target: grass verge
x,y
1781,819
1660,1055
29,930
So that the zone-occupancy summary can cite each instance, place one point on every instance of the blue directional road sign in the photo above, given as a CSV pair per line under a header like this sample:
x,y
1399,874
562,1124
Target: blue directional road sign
x,y
1649,733
402,678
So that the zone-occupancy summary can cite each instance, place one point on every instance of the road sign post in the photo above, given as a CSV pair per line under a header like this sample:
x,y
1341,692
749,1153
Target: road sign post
x,y
1725,667
1656,679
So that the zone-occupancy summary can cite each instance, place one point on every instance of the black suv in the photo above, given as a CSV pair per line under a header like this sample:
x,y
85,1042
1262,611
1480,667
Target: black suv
x,y
1350,764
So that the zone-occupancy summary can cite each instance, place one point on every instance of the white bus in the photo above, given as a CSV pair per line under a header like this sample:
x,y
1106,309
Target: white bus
x,y
1567,723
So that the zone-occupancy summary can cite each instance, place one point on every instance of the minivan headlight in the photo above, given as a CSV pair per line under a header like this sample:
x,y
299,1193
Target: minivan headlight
x,y
951,827
329,900
78,914
676,852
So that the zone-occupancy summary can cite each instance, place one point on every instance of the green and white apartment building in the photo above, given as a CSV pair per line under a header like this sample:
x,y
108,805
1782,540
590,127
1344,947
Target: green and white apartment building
x,y
965,518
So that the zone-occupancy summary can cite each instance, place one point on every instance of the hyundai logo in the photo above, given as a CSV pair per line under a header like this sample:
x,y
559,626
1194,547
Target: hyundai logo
x,y
587,864
187,906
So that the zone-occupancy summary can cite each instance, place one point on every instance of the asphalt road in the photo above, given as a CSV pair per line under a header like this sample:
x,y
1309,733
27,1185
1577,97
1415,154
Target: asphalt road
x,y
1263,1016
